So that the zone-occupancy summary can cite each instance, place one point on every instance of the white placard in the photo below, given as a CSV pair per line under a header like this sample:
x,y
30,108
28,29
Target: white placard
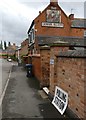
x,y
48,24
60,100
46,90
52,61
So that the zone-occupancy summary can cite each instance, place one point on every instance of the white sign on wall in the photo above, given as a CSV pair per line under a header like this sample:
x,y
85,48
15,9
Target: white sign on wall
x,y
48,24
52,61
60,100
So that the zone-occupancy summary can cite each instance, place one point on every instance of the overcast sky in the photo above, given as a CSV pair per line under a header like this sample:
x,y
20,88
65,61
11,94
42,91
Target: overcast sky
x,y
17,15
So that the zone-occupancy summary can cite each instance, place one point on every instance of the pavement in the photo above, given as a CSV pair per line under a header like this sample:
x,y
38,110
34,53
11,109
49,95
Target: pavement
x,y
24,99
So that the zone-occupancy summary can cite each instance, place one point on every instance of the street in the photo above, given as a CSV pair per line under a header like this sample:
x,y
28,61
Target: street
x,y
0,76
5,68
22,98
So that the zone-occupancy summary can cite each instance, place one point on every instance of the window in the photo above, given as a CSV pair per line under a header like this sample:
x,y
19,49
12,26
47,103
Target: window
x,y
31,36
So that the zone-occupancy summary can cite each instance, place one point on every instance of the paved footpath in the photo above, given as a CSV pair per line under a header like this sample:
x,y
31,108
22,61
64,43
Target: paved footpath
x,y
22,99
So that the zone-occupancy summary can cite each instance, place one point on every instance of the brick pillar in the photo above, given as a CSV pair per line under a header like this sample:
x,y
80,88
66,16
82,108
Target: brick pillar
x,y
45,66
53,66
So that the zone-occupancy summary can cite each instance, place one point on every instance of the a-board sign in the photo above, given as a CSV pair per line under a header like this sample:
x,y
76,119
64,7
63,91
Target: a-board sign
x,y
60,100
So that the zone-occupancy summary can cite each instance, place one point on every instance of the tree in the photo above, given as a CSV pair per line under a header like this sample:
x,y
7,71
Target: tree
x,y
9,44
1,45
5,46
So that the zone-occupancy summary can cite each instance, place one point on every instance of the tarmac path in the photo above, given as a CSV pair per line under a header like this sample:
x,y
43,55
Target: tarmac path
x,y
22,99
5,72
5,68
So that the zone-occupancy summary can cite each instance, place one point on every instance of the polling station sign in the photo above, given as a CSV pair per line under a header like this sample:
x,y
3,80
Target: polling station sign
x,y
60,100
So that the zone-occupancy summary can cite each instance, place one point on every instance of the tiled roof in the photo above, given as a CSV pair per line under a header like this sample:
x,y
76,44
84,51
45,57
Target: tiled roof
x,y
73,53
69,41
79,23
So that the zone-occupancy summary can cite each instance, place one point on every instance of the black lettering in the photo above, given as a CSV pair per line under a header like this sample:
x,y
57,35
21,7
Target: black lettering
x,y
56,100
64,97
61,95
59,103
57,92
62,106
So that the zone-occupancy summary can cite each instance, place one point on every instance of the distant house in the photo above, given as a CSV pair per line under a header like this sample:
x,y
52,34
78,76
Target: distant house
x,y
18,53
24,51
3,53
11,50
0,53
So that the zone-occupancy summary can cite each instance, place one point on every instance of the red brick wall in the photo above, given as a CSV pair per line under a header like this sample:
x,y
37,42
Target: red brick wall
x,y
24,50
49,31
24,43
41,66
71,78
25,60
76,32
45,66
36,61
53,71
52,31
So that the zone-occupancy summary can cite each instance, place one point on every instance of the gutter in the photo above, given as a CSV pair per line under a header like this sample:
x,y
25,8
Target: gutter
x,y
69,113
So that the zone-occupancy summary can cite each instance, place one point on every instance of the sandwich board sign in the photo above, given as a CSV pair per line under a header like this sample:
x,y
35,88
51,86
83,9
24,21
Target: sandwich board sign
x,y
60,100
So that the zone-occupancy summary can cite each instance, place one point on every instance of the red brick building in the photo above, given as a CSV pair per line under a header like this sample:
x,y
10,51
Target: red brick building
x,y
52,25
52,21
51,32
11,51
24,51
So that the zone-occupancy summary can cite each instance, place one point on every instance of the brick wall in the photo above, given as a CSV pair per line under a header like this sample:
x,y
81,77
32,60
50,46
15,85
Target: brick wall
x,y
25,42
71,78
41,66
36,61
25,60
77,32
45,66
53,71
24,50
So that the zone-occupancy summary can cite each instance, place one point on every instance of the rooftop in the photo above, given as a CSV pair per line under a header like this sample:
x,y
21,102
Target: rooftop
x,y
79,23
65,41
73,53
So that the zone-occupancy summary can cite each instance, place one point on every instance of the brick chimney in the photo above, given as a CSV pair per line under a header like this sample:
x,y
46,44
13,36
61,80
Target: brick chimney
x,y
53,2
39,12
14,44
71,16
